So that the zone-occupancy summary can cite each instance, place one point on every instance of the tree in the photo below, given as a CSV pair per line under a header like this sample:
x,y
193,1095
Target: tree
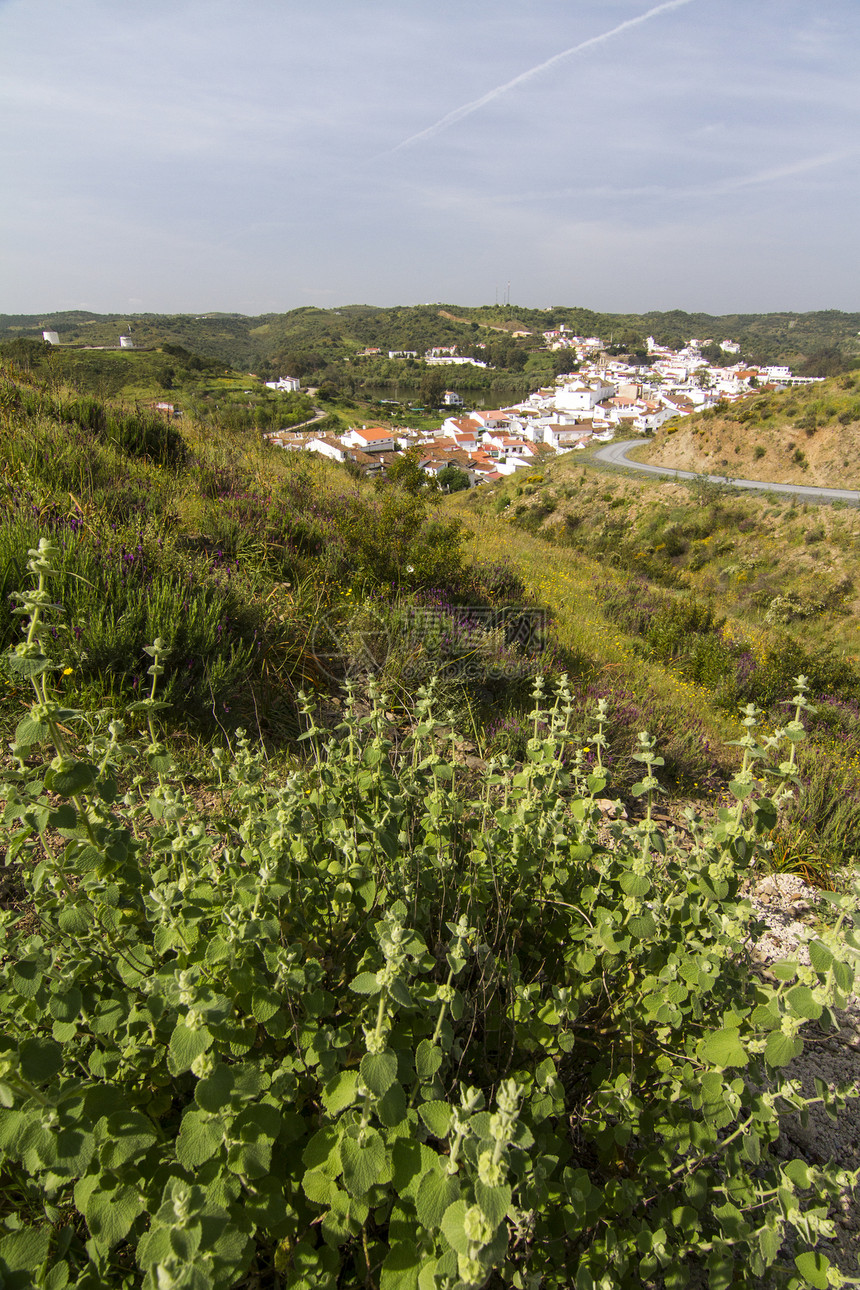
x,y
407,474
432,386
451,479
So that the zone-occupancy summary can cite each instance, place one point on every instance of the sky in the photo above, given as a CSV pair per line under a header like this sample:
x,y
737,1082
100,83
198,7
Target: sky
x,y
203,155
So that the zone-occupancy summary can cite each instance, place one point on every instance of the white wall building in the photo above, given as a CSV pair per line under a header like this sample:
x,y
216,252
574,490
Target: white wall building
x,y
583,396
326,447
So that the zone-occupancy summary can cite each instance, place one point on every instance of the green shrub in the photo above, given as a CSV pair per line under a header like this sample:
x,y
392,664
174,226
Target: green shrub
x,y
384,1023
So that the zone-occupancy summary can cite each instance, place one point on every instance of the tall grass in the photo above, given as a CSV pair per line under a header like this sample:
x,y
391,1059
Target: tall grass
x,y
243,556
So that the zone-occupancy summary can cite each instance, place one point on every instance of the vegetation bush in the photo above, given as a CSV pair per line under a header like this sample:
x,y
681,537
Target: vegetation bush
x,y
387,1023
139,432
236,557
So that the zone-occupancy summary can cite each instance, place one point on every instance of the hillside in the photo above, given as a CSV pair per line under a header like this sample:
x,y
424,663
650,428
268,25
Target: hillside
x,y
809,435
355,929
315,337
732,595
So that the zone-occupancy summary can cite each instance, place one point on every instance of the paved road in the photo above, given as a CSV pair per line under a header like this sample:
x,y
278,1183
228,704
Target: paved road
x,y
615,454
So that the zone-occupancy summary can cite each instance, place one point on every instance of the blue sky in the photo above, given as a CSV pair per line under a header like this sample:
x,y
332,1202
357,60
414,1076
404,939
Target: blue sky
x,y
196,155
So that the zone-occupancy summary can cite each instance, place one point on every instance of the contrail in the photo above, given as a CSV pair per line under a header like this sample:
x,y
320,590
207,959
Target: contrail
x,y
468,108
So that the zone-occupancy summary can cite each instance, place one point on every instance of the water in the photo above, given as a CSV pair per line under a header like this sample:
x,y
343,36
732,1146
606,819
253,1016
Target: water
x,y
402,393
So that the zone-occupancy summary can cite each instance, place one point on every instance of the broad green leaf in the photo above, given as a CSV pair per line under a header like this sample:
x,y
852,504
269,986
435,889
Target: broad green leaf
x,y
379,1071
28,666
752,1146
124,1136
780,1049
401,1267
365,1165
323,1151
634,884
22,1254
436,1192
427,1275
428,1059
365,983
819,956
813,1268
74,778
66,1006
30,731
318,1186
723,1048
250,1159
264,1004
798,1172
199,1139
340,1092
111,1213
391,1107
26,977
57,1278
213,1091
185,1045
803,1002
769,1242
411,1161
452,1227
437,1117
494,1201
41,1060
642,926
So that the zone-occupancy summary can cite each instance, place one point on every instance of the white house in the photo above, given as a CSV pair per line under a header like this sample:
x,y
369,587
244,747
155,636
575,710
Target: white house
x,y
374,439
497,419
285,385
583,396
649,417
326,446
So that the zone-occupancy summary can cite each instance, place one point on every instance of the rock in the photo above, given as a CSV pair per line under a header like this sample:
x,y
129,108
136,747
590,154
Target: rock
x,y
614,810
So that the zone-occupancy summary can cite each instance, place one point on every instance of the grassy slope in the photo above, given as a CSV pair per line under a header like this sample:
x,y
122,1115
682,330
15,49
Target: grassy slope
x,y
240,554
689,601
237,553
810,435
691,729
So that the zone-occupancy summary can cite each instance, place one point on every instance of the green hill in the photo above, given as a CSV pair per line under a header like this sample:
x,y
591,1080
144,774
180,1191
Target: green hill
x,y
315,337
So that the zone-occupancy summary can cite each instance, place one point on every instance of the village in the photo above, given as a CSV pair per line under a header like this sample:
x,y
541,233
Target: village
x,y
602,398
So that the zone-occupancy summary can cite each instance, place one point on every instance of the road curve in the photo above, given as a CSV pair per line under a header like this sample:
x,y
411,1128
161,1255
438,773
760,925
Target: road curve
x,y
615,454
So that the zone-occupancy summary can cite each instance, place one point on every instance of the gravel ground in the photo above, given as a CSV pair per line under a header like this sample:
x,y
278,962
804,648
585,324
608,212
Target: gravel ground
x,y
789,908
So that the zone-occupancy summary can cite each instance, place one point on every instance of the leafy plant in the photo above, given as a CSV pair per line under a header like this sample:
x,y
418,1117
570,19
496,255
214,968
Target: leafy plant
x,y
381,1023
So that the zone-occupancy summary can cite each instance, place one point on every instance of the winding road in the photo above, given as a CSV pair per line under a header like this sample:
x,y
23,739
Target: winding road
x,y
615,454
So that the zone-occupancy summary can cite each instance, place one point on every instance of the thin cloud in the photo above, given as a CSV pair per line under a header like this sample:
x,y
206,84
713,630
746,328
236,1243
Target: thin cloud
x,y
468,108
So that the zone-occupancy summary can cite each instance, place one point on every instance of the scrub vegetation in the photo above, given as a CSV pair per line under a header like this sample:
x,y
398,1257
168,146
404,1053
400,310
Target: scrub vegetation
x,y
328,958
